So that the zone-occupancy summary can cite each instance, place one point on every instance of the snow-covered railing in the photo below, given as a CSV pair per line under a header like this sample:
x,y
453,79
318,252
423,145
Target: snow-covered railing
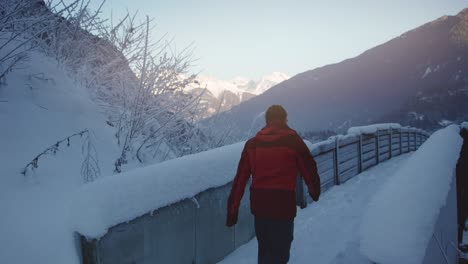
x,y
413,218
174,212
343,157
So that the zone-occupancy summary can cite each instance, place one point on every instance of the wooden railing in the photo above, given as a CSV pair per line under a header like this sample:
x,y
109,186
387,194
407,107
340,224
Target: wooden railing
x,y
343,157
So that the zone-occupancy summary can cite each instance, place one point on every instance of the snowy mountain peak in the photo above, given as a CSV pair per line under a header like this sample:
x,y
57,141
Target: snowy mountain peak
x,y
228,93
269,81
240,84
239,80
276,76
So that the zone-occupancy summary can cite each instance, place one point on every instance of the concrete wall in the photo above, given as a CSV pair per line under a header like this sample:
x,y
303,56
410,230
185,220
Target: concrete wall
x,y
190,231
193,230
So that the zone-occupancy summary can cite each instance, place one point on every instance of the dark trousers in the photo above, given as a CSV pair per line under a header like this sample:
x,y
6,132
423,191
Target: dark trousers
x,y
274,240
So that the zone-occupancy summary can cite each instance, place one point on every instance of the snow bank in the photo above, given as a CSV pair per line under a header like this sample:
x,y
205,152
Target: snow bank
x,y
317,145
109,201
40,104
123,197
400,219
371,129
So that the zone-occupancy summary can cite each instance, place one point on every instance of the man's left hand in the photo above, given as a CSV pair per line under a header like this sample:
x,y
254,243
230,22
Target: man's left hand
x,y
231,220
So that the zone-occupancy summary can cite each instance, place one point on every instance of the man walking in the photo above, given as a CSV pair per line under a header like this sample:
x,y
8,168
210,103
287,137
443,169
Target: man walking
x,y
273,157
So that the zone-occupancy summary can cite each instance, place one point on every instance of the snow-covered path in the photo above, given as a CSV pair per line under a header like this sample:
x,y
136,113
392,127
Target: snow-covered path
x,y
328,231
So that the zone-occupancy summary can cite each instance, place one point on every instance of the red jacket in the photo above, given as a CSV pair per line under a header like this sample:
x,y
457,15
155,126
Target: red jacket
x,y
274,157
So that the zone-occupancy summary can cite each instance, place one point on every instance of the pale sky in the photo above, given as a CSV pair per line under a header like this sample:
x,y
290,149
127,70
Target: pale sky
x,y
254,38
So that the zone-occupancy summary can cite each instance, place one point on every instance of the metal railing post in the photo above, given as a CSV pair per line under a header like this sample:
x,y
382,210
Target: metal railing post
x,y
410,140
401,143
407,140
360,154
390,144
377,147
337,161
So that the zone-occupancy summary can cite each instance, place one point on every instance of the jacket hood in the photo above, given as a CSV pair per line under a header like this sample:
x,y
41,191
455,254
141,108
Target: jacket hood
x,y
273,132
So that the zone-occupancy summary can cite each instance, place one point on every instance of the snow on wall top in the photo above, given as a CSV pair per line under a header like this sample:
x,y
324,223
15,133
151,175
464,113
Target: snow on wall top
x,y
112,200
400,219
116,199
371,129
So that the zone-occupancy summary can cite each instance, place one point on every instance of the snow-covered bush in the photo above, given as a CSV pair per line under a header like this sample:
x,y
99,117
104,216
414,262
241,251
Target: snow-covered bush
x,y
138,80
20,24
90,166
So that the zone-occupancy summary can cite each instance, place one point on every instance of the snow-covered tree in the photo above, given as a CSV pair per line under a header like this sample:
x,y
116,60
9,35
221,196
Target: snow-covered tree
x,y
22,23
138,80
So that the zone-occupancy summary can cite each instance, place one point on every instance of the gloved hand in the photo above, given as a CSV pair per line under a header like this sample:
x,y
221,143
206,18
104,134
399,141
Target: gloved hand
x,y
231,219
314,197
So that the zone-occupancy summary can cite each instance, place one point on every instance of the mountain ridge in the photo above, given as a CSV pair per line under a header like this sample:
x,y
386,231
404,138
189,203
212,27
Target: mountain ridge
x,y
368,87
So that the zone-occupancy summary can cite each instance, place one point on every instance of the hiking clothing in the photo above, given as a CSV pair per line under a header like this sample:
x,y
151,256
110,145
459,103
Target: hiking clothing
x,y
274,157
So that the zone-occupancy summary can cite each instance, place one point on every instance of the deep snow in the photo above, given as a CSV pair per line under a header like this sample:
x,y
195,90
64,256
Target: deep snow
x,y
38,106
401,217
113,200
371,129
